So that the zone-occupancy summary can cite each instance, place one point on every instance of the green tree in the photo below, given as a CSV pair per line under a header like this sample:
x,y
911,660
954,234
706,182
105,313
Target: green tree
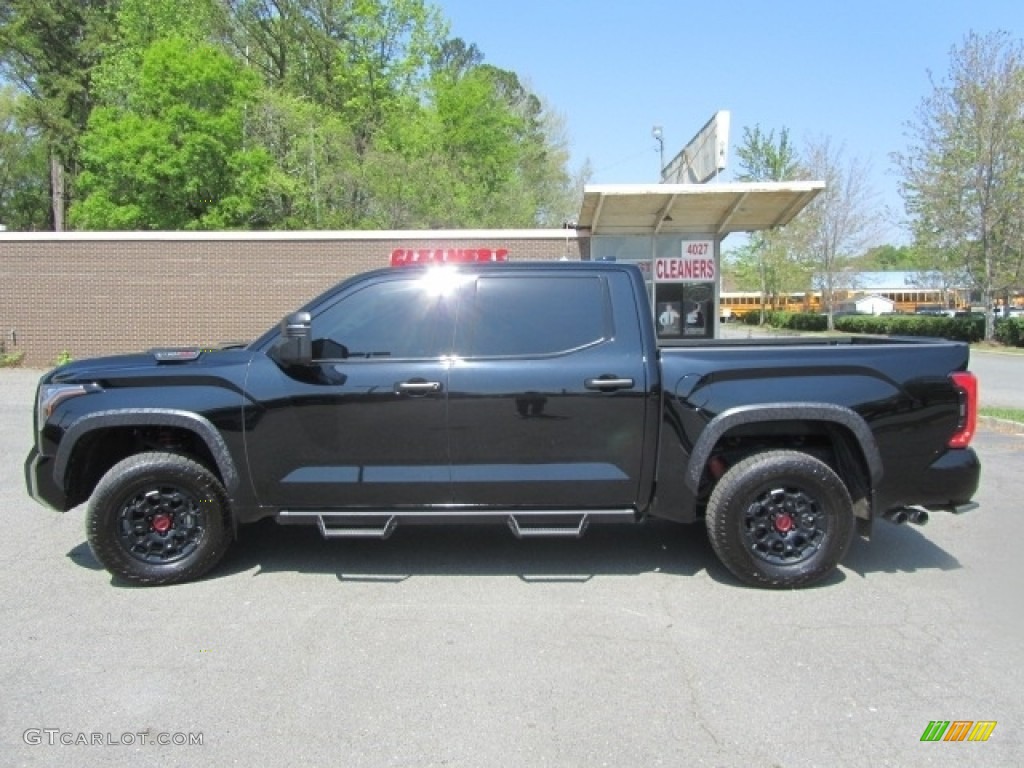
x,y
766,262
361,64
24,191
482,151
278,39
375,118
762,157
963,175
456,57
175,156
327,113
540,140
316,174
140,23
839,223
49,48
357,57
452,157
883,258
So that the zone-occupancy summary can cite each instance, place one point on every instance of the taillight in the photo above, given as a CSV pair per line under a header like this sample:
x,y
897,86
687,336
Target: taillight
x,y
967,387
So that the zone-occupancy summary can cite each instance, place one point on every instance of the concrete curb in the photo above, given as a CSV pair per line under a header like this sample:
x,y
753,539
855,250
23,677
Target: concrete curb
x,y
1004,426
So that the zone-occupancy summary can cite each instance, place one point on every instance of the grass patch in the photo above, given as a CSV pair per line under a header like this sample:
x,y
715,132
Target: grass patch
x,y
11,359
1008,414
984,346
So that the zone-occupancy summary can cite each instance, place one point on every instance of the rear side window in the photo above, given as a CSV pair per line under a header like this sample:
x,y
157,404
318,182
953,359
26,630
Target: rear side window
x,y
518,315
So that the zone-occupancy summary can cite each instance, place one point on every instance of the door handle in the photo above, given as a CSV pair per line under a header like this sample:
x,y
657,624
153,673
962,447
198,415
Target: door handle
x,y
608,383
419,387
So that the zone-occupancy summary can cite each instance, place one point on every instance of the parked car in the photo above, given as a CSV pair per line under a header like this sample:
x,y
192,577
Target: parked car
x,y
535,395
936,310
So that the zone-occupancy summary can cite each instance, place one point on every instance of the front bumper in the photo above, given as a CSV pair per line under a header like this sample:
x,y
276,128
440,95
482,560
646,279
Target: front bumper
x,y
40,483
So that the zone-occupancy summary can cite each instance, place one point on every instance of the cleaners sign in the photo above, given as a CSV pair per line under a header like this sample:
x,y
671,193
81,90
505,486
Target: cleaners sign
x,y
401,257
695,265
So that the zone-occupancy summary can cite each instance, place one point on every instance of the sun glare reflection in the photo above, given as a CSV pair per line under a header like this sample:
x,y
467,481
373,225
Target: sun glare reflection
x,y
441,280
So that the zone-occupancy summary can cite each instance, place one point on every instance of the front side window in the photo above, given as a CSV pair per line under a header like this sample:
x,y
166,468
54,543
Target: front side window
x,y
518,315
391,319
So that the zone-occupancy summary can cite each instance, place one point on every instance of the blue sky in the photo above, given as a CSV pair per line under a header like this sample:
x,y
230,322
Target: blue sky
x,y
855,71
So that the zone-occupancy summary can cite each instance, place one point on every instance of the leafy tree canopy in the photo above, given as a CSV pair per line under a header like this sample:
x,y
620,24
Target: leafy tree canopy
x,y
329,113
24,194
175,156
963,175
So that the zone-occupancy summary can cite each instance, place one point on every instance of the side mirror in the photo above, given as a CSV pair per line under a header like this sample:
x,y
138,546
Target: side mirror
x,y
296,345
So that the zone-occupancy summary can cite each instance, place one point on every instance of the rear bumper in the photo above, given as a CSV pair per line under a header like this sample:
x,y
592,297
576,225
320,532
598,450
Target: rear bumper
x,y
40,483
951,481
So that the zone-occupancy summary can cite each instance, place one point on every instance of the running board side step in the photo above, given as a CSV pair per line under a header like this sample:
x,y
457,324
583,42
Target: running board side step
x,y
524,524
356,532
548,531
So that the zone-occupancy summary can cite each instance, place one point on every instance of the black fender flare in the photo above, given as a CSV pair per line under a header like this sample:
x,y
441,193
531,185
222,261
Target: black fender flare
x,y
752,414
148,417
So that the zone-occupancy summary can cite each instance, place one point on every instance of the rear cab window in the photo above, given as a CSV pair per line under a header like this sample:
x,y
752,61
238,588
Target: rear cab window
x,y
533,315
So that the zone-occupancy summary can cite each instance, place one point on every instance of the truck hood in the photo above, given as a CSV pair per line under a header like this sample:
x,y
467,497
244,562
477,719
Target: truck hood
x,y
200,362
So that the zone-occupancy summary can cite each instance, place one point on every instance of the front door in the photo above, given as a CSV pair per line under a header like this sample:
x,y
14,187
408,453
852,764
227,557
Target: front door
x,y
365,425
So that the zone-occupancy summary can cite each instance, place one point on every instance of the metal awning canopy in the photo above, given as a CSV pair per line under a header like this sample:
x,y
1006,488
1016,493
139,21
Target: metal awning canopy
x,y
664,209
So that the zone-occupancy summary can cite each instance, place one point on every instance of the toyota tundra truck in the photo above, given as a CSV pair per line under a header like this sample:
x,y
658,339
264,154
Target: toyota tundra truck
x,y
532,395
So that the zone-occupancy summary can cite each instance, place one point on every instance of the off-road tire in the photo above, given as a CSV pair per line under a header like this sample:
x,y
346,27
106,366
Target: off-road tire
x,y
780,519
158,518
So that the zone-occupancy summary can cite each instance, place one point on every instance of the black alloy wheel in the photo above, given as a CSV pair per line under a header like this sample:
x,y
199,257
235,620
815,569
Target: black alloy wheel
x,y
780,519
158,518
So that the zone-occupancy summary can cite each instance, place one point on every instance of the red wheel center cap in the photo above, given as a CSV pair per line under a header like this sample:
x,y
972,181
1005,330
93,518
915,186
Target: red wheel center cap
x,y
783,523
161,523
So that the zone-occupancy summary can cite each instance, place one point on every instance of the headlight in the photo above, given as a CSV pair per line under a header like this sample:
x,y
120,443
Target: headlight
x,y
52,395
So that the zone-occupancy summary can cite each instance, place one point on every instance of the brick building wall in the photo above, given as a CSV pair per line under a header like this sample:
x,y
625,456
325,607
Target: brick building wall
x,y
107,293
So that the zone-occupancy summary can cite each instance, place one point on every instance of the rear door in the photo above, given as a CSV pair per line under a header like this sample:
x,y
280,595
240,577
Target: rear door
x,y
547,392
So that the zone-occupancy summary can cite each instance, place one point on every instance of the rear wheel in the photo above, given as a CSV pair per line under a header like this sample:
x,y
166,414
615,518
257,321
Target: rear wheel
x,y
780,519
158,518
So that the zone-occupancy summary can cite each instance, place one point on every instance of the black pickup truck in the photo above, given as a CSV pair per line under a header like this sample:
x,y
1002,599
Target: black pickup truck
x,y
531,394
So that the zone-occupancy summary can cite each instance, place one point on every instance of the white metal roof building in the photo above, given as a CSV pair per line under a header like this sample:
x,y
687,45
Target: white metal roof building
x,y
673,232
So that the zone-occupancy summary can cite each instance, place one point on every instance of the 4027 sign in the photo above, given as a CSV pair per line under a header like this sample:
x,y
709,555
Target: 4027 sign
x,y
695,264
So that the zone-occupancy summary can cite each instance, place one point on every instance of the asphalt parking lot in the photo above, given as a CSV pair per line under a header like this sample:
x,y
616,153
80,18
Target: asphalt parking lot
x,y
465,647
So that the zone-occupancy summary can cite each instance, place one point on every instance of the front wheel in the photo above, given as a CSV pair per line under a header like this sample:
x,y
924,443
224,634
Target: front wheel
x,y
780,519
158,518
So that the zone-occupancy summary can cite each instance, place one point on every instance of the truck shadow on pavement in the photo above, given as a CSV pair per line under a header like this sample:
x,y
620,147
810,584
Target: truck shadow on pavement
x,y
897,549
474,550
484,550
